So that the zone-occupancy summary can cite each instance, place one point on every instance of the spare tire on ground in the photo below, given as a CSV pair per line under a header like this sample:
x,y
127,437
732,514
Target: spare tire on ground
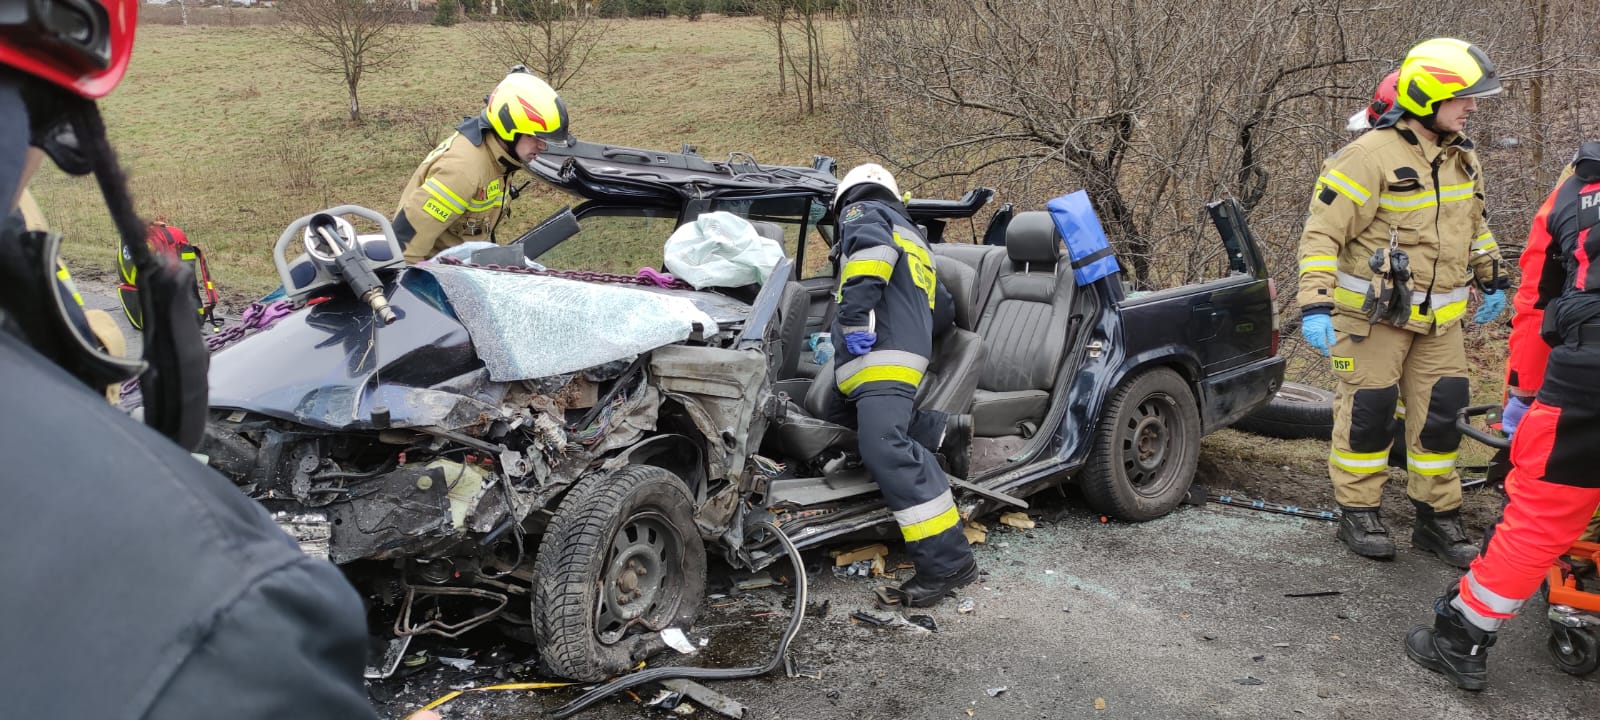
x,y
1297,412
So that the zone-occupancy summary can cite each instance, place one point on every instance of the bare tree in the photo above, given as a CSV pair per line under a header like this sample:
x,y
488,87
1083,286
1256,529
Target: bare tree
x,y
774,16
347,37
553,39
1156,108
798,27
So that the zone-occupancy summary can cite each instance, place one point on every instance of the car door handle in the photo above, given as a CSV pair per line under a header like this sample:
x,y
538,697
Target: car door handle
x,y
1205,321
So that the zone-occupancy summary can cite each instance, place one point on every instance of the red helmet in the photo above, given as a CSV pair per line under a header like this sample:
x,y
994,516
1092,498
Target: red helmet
x,y
80,45
1384,97
1383,100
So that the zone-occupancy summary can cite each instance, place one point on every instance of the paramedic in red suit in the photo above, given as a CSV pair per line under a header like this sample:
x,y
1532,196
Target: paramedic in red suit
x,y
1553,487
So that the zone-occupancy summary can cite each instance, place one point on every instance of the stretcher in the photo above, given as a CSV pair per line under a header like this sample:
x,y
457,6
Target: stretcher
x,y
1574,614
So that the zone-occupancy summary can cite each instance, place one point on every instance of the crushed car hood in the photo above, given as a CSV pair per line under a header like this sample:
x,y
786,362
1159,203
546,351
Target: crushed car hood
x,y
342,363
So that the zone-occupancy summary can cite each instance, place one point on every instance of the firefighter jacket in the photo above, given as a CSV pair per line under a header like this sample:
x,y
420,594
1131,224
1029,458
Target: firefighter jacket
x,y
887,285
456,195
1560,289
1391,188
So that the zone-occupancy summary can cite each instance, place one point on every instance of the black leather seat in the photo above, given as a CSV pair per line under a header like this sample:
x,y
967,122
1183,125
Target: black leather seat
x,y
983,261
1023,323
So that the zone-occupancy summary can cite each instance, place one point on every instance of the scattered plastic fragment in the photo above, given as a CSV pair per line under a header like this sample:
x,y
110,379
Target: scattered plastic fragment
x,y
755,583
967,606
850,557
995,691
458,663
665,700
1017,520
891,619
675,639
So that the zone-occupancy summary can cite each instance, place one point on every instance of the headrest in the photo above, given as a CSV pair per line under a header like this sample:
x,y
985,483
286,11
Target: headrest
x,y
1031,238
962,283
768,230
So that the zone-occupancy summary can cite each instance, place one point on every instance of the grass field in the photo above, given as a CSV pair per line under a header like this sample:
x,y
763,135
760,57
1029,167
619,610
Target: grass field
x,y
230,137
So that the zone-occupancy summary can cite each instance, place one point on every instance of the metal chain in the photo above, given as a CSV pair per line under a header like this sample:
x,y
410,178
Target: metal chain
x,y
255,318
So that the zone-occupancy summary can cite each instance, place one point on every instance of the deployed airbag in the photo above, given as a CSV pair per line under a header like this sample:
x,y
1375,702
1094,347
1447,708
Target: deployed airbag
x,y
721,249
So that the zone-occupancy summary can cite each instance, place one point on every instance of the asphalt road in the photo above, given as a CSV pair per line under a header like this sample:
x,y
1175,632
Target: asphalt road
x,y
1183,617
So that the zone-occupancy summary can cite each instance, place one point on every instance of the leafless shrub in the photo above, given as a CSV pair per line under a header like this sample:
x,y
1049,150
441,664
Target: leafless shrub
x,y
297,169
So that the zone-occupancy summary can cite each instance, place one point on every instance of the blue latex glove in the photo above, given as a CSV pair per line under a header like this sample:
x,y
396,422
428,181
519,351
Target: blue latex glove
x,y
860,342
1511,416
1318,330
1491,308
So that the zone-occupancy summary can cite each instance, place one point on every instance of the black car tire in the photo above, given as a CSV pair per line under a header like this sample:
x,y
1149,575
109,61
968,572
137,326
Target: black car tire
x,y
620,561
1145,449
1296,412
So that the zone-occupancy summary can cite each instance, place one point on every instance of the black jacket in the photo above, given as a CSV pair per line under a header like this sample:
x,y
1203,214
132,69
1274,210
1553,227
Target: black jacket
x,y
888,285
138,583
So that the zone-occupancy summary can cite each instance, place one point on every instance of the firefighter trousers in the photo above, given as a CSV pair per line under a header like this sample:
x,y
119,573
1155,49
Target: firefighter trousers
x,y
913,486
1373,372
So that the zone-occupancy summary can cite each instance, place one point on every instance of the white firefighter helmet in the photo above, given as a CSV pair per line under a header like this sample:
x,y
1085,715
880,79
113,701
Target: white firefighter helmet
x,y
867,173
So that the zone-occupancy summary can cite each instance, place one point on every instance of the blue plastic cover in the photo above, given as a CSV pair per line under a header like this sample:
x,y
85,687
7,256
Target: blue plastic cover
x,y
1080,228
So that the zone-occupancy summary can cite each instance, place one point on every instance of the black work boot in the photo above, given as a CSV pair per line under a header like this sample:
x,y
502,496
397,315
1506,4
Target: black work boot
x,y
926,590
1441,534
956,446
1454,647
1362,530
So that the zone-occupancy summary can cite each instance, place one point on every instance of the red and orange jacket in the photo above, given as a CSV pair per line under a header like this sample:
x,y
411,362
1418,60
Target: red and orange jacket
x,y
1555,261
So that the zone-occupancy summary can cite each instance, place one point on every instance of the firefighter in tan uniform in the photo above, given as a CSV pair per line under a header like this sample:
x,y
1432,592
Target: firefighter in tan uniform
x,y
1395,236
458,193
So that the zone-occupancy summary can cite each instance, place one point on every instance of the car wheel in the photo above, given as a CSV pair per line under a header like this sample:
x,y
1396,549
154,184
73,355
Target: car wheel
x,y
1146,448
621,561
1296,412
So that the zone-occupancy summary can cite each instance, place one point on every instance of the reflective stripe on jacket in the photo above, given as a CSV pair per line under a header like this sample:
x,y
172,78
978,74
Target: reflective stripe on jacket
x,y
456,194
1393,187
887,285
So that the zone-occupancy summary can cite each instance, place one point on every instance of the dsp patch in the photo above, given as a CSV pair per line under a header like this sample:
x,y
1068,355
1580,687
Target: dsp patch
x,y
1344,364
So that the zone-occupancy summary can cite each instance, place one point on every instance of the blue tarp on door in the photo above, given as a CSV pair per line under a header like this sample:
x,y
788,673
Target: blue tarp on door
x,y
1086,242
